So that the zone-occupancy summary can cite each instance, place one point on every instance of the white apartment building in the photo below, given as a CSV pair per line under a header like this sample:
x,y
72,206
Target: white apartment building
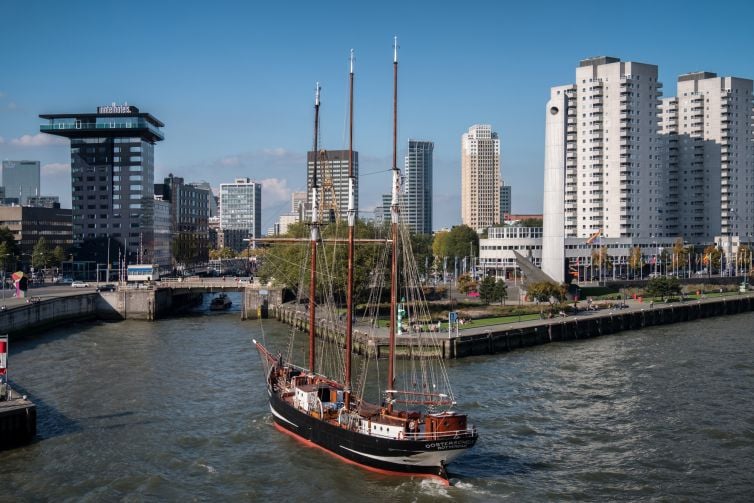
x,y
603,162
617,169
480,177
638,170
707,128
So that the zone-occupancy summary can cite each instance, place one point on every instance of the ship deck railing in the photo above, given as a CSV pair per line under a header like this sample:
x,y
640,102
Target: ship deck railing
x,y
442,435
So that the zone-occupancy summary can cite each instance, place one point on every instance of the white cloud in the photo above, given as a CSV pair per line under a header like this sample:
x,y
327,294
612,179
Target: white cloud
x,y
37,140
275,191
12,105
2,140
275,152
55,168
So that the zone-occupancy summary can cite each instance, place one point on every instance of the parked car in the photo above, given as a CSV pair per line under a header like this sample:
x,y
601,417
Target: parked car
x,y
79,284
63,281
109,287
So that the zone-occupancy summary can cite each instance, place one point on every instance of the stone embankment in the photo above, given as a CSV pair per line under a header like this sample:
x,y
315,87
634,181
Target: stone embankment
x,y
502,338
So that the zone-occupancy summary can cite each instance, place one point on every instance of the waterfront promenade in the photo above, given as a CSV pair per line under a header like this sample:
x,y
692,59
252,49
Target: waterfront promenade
x,y
482,339
62,303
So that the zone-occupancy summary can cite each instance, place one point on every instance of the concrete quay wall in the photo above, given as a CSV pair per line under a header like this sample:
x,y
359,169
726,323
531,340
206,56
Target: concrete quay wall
x,y
503,338
18,422
363,344
40,315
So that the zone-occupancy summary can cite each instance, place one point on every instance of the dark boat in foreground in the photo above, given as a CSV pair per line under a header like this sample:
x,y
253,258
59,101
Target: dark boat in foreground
x,y
411,428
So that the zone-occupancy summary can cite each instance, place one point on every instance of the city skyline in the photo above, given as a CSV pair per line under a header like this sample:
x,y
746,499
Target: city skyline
x,y
237,101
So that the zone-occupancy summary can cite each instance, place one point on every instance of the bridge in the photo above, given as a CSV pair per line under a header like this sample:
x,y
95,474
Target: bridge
x,y
153,300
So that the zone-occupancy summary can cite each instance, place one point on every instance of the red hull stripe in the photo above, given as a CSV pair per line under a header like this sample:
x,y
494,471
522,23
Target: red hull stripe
x,y
309,443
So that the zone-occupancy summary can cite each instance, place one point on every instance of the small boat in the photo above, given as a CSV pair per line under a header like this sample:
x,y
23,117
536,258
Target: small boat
x,y
220,303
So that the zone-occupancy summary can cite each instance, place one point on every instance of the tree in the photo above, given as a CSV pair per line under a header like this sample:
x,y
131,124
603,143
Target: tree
x,y
287,264
680,254
712,258
7,259
487,290
663,286
743,258
602,260
58,255
466,284
438,244
545,291
421,245
492,290
226,252
7,237
41,255
635,260
461,241
501,291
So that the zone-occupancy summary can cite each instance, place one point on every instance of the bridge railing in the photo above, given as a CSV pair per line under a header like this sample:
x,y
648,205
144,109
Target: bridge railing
x,y
209,282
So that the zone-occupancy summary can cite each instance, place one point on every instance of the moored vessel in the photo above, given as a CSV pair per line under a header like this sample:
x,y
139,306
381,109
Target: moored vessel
x,y
406,426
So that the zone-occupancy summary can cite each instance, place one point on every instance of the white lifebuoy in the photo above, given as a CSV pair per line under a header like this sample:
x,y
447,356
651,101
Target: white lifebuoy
x,y
412,425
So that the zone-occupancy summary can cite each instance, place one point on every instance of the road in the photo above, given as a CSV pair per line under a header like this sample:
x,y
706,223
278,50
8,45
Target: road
x,y
43,292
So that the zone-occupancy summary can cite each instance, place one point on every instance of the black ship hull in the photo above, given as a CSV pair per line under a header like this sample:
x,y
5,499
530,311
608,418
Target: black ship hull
x,y
426,457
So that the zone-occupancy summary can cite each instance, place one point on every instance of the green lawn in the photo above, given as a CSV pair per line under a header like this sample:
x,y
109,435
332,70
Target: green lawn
x,y
482,322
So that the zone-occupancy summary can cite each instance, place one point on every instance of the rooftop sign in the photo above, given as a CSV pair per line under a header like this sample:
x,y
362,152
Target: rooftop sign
x,y
125,108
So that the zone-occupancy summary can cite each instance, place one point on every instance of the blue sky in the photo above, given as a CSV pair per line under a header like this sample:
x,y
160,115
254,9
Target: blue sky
x,y
234,81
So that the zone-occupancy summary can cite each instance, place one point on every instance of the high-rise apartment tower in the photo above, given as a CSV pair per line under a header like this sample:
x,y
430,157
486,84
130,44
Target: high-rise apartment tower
x,y
480,177
707,129
417,195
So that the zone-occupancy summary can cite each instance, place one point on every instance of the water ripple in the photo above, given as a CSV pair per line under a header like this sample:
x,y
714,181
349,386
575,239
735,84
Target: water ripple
x,y
175,410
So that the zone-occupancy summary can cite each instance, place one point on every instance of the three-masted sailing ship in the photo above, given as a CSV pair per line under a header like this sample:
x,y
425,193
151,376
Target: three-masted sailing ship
x,y
411,427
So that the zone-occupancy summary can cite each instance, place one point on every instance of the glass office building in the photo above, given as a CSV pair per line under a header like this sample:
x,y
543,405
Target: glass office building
x,y
417,196
21,180
240,212
112,175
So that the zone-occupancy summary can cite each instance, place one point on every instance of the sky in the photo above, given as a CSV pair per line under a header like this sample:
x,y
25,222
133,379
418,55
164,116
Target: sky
x,y
234,81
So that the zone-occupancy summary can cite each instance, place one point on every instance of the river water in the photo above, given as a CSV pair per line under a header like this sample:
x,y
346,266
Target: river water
x,y
176,410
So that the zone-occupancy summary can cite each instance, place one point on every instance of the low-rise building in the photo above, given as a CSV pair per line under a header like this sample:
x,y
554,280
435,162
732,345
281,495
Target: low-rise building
x,y
28,224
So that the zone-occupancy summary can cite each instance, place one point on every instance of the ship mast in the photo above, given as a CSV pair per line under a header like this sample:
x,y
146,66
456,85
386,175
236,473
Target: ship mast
x,y
351,230
394,213
314,238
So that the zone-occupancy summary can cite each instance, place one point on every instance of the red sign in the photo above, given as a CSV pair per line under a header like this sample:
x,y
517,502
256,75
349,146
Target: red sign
x,y
3,355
